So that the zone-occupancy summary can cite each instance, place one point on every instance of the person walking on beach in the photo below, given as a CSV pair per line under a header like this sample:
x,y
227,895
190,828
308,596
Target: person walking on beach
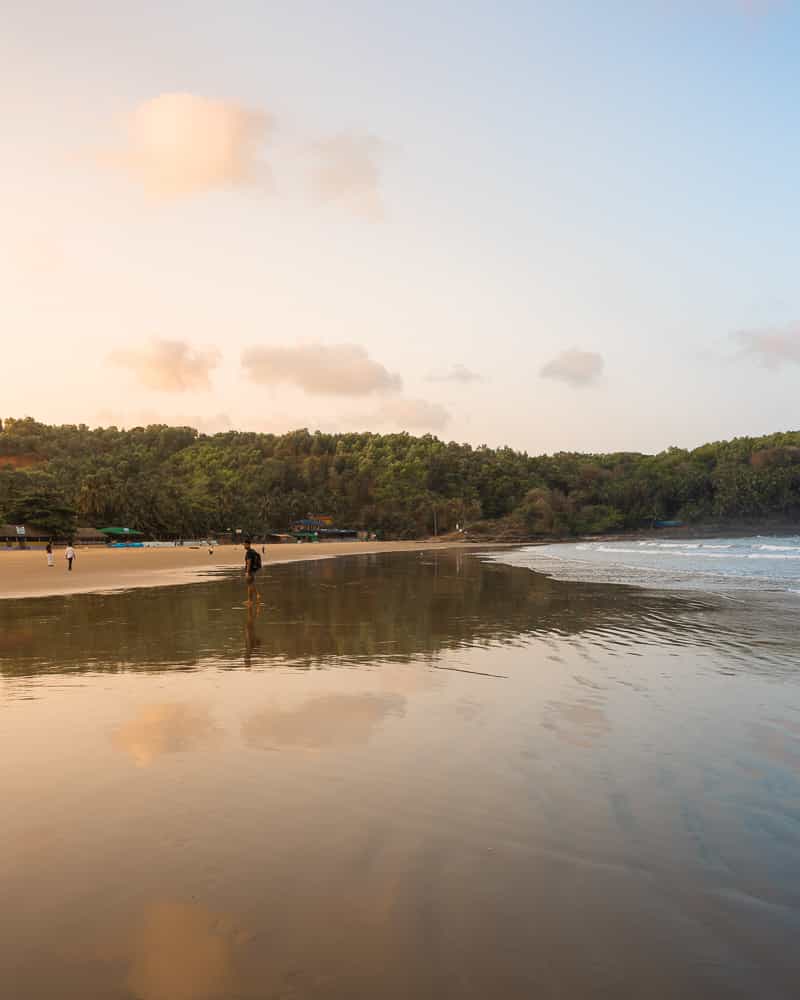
x,y
252,564
69,555
50,560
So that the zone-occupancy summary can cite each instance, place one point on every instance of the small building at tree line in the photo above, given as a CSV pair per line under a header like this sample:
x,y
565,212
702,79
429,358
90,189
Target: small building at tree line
x,y
311,524
89,536
22,534
119,534
30,534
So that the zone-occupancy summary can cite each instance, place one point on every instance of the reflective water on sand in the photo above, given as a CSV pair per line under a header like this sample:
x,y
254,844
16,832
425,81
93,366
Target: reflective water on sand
x,y
408,776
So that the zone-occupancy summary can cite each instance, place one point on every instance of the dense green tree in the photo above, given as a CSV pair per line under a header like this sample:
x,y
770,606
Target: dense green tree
x,y
35,498
173,481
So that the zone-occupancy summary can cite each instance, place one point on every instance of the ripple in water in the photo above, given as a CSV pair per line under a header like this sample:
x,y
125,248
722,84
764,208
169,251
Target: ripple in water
x,y
735,599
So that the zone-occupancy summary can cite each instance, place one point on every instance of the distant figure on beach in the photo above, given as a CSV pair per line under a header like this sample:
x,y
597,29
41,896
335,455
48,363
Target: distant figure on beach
x,y
50,560
69,555
252,564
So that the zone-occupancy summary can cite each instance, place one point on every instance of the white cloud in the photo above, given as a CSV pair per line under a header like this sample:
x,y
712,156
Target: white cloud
x,y
181,144
458,373
772,348
576,368
319,369
410,414
169,365
347,172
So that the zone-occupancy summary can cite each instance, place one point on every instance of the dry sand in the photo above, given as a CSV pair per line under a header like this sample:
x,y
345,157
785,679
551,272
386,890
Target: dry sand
x,y
26,573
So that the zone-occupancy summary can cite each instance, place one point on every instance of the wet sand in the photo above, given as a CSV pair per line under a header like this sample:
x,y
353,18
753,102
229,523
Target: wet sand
x,y
26,573
412,775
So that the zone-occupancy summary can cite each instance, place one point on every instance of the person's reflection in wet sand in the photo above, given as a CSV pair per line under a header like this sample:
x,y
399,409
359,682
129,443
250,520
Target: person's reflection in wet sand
x,y
251,640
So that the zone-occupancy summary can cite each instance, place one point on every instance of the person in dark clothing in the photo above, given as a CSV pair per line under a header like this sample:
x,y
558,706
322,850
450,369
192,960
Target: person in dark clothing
x,y
252,564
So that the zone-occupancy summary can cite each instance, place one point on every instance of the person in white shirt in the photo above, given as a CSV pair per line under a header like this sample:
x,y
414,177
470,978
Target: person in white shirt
x,y
69,555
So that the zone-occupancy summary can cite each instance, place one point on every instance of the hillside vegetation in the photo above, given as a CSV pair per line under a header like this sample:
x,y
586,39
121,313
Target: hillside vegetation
x,y
174,481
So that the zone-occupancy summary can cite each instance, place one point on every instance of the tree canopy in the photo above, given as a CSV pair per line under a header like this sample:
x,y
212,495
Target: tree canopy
x,y
176,482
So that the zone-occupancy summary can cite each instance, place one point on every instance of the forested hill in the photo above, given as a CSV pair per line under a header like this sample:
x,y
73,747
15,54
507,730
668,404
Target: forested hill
x,y
173,481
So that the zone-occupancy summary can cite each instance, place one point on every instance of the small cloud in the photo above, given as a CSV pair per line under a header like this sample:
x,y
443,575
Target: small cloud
x,y
411,414
347,172
576,368
318,369
182,144
458,373
772,348
169,365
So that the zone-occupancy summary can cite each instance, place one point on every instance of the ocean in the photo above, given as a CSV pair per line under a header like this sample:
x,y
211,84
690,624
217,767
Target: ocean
x,y
762,563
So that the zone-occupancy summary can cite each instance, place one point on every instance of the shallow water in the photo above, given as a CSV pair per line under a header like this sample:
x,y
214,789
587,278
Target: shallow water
x,y
762,564
407,776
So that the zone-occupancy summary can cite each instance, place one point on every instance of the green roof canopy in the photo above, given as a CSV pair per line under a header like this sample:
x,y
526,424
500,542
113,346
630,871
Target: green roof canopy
x,y
119,531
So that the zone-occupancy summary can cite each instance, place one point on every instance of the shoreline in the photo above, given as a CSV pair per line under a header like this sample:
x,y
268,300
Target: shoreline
x,y
25,574
736,529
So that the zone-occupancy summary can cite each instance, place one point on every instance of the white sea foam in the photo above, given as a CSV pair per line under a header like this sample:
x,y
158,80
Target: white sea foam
x,y
773,555
717,555
670,553
766,563
630,552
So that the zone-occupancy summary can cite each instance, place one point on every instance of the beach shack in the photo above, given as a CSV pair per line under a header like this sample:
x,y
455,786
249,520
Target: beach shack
x,y
338,534
122,537
312,523
307,529
22,535
89,536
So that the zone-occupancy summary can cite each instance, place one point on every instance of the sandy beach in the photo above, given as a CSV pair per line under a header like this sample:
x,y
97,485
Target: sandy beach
x,y
26,573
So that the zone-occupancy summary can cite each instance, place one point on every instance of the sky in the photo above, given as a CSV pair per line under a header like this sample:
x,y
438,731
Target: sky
x,y
550,225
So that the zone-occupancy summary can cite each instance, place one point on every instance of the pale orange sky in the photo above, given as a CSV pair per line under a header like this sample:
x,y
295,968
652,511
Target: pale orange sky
x,y
507,227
